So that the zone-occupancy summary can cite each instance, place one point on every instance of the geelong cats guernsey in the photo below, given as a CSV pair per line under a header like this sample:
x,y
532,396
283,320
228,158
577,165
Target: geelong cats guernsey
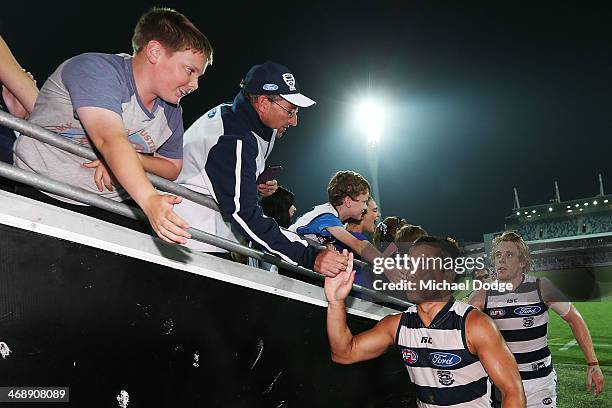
x,y
522,317
438,361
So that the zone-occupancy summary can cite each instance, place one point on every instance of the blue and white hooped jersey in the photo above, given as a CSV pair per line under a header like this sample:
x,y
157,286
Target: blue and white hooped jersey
x,y
522,318
438,361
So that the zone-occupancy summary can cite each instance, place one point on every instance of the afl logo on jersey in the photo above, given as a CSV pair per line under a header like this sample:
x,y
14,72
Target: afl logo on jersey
x,y
444,359
527,310
211,113
497,313
409,356
547,401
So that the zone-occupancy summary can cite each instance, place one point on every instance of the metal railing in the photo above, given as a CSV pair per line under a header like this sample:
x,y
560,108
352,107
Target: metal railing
x,y
78,194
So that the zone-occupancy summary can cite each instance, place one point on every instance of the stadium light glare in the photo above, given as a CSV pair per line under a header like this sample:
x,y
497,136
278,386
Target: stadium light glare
x,y
529,216
569,206
371,117
577,205
550,209
526,212
605,201
586,204
582,209
570,211
595,202
518,213
533,211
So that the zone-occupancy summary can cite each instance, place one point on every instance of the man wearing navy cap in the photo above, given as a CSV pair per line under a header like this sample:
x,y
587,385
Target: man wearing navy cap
x,y
225,151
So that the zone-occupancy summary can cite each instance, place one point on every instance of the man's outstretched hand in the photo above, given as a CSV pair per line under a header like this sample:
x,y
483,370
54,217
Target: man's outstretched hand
x,y
168,226
330,262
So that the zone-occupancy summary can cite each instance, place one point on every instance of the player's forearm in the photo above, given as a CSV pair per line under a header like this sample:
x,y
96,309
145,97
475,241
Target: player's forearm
x,y
368,251
125,165
512,391
159,166
338,333
583,337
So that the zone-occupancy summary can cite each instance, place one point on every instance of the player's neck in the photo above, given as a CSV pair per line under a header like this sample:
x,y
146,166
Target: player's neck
x,y
515,281
428,310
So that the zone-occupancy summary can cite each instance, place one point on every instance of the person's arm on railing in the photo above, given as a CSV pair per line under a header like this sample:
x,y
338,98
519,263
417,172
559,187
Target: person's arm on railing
x,y
106,131
18,84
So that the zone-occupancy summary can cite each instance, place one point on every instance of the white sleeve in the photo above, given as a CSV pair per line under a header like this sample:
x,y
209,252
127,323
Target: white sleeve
x,y
562,308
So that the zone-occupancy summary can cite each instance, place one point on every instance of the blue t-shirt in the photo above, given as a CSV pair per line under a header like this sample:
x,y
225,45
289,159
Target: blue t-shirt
x,y
315,222
102,81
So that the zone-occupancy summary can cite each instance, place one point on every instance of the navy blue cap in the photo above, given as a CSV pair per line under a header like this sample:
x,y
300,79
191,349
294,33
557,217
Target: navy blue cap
x,y
271,78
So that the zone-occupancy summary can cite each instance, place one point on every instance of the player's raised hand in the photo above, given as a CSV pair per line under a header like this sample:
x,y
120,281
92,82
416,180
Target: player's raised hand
x,y
338,287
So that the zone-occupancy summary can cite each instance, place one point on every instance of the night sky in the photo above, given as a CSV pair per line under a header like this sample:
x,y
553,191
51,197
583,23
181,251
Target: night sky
x,y
479,97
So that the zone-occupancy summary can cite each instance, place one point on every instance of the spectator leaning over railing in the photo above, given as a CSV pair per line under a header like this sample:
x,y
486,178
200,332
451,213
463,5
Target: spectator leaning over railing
x,y
226,150
125,108
348,193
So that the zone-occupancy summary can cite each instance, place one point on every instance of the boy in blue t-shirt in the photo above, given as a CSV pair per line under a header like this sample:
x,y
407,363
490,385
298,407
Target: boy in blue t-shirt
x,y
126,109
349,193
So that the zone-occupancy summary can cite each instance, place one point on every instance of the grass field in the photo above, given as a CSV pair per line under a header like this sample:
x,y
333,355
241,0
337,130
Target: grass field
x,y
567,356
569,361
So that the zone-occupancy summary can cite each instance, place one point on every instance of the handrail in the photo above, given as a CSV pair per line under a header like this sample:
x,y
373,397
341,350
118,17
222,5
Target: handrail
x,y
46,136
49,185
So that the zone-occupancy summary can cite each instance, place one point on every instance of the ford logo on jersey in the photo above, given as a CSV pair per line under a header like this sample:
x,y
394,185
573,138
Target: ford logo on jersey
x,y
527,310
410,357
444,359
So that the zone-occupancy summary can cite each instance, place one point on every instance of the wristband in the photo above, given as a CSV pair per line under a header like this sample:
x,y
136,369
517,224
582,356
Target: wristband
x,y
594,363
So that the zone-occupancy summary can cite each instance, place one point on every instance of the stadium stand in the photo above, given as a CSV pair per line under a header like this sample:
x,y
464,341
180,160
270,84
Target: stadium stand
x,y
564,235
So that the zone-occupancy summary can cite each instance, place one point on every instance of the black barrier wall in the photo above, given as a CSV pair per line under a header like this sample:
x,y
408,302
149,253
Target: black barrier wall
x,y
100,323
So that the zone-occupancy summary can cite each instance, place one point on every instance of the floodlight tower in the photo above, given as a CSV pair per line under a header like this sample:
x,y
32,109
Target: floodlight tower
x,y
370,116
